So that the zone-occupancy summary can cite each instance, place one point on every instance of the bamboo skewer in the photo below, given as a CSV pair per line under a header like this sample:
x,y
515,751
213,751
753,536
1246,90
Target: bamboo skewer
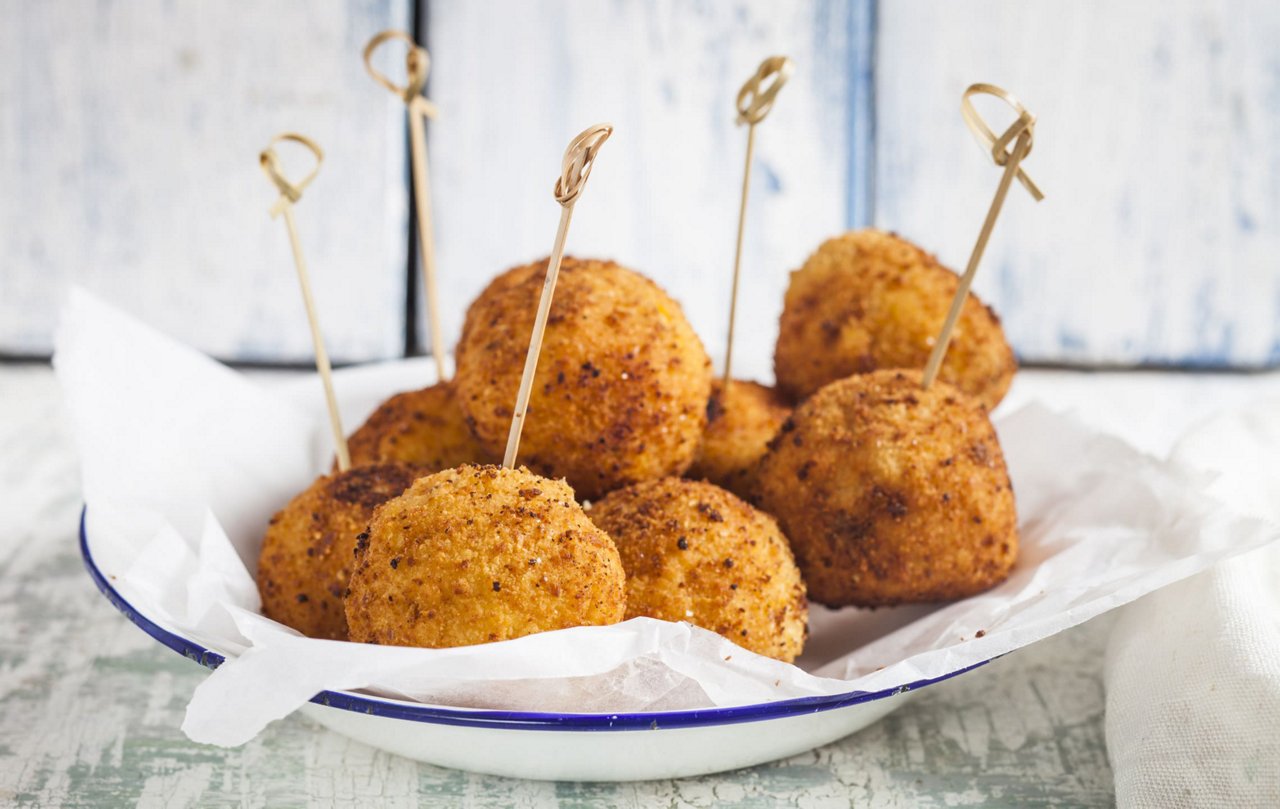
x,y
753,105
575,168
290,193
417,62
1021,135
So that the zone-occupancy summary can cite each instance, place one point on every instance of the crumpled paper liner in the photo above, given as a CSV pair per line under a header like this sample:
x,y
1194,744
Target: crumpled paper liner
x,y
185,460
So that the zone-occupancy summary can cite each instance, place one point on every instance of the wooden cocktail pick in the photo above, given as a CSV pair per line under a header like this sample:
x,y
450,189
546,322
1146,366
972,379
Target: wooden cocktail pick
x,y
1020,134
575,168
290,193
416,64
754,103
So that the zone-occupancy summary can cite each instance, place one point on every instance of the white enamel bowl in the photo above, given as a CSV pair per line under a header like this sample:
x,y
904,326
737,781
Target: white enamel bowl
x,y
568,747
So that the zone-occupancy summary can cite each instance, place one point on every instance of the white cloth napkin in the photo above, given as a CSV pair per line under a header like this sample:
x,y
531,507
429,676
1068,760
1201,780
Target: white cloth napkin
x,y
1193,670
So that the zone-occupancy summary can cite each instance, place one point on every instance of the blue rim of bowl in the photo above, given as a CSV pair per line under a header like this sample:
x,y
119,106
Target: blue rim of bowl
x,y
510,720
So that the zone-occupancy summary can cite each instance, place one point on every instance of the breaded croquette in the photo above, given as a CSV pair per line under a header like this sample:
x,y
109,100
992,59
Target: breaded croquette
x,y
421,427
621,389
479,554
694,552
892,494
309,547
741,419
870,300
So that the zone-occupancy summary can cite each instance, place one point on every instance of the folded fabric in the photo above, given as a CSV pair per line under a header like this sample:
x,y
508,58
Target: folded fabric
x,y
1193,670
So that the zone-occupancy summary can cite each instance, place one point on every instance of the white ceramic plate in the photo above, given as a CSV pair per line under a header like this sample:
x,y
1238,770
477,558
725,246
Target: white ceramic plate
x,y
568,746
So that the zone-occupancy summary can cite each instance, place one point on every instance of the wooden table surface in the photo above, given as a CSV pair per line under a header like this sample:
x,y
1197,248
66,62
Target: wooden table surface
x,y
90,706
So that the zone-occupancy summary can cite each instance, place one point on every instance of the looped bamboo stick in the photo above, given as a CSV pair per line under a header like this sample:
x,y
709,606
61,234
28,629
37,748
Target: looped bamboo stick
x,y
290,193
753,105
270,163
578,159
575,168
417,64
1020,134
999,147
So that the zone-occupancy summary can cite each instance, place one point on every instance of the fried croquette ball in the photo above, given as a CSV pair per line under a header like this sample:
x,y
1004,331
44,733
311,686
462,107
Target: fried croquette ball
x,y
694,552
479,554
621,389
870,300
309,547
740,421
421,427
891,494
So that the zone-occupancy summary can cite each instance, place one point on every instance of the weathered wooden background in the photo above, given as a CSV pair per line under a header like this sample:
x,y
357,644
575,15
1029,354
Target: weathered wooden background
x,y
129,141
129,133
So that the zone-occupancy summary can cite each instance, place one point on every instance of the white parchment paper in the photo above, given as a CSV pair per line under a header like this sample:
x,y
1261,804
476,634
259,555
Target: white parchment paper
x,y
184,461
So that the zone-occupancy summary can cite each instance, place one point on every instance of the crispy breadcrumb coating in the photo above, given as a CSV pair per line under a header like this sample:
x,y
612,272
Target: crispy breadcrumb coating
x,y
479,554
307,553
740,423
421,427
892,494
870,300
694,552
622,384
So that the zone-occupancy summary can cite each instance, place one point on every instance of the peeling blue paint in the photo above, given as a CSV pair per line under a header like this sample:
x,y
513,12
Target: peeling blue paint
x,y
772,182
1071,341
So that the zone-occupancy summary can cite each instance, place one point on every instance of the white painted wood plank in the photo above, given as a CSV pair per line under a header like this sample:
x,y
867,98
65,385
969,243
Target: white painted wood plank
x,y
128,130
1158,146
515,81
129,135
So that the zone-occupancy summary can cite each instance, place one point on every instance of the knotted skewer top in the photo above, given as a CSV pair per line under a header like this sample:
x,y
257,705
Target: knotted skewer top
x,y
290,192
417,64
1002,147
1007,151
575,168
753,103
579,157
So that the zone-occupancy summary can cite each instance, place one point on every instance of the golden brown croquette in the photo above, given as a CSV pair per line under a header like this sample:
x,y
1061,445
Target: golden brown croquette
x,y
694,552
309,547
421,427
870,300
479,554
622,385
892,494
740,422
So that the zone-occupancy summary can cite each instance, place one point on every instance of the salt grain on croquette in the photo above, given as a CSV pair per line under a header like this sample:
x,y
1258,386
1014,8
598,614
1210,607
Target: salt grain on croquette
x,y
892,494
480,554
621,389
870,300
307,553
695,552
